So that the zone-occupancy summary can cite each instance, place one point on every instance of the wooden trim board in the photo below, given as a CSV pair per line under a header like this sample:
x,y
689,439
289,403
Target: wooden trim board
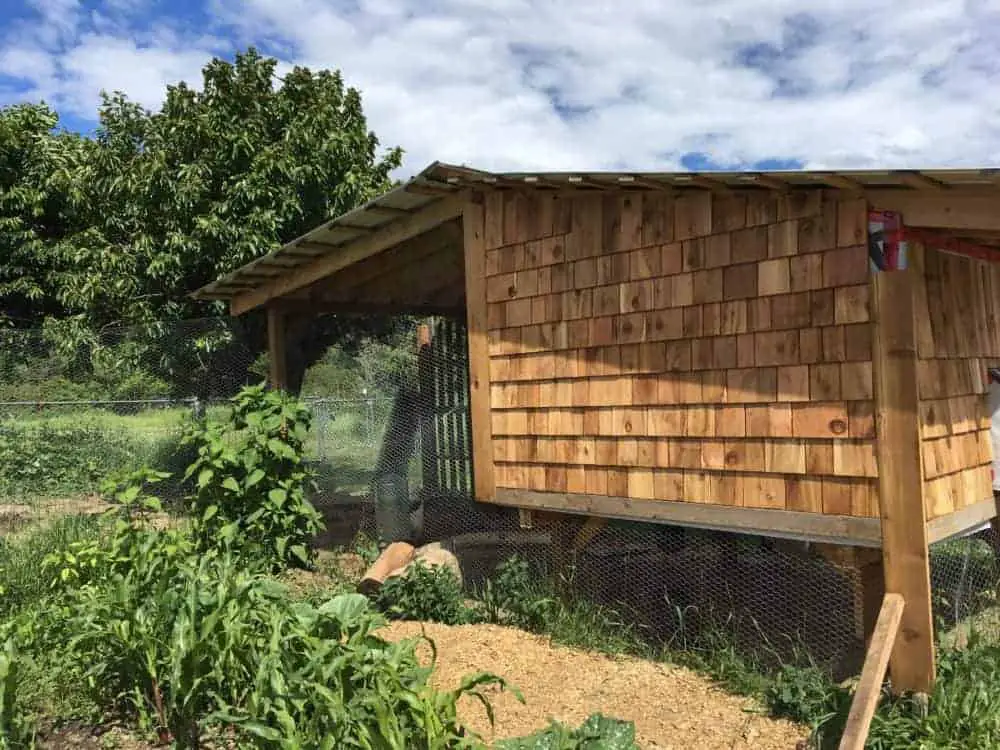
x,y
900,474
782,524
480,415
961,521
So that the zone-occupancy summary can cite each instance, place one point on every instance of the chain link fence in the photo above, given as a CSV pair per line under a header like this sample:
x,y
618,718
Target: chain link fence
x,y
391,450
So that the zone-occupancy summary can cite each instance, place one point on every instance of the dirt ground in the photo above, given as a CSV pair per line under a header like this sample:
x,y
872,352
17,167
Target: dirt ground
x,y
671,707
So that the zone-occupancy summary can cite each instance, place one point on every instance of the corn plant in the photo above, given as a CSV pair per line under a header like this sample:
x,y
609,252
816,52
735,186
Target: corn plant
x,y
250,479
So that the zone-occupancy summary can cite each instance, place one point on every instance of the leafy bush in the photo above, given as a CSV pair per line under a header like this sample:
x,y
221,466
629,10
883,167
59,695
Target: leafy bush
x,y
251,480
598,732
427,593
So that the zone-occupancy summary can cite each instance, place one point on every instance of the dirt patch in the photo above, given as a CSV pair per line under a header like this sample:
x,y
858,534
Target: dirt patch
x,y
672,707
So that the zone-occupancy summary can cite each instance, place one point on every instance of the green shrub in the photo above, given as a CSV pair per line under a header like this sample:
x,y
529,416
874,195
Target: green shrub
x,y
250,480
598,732
427,593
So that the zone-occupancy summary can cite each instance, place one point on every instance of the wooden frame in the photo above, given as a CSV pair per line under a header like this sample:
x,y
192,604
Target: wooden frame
x,y
276,349
473,221
785,524
901,486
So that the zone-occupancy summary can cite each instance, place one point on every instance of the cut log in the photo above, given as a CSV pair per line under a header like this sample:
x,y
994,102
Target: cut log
x,y
393,557
432,555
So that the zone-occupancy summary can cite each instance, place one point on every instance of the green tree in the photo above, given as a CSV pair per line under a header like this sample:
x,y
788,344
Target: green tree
x,y
37,165
160,203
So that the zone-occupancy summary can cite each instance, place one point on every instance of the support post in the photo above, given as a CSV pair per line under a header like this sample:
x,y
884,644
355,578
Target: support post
x,y
473,222
900,475
277,351
428,415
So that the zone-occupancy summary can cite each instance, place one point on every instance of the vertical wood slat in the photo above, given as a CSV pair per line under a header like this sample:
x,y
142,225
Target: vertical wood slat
x,y
276,350
428,441
900,464
473,222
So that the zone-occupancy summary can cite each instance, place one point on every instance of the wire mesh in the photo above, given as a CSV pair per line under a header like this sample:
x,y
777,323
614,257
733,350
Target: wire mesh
x,y
391,451
965,578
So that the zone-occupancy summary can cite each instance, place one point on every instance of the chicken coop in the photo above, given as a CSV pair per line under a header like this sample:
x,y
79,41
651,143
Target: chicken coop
x,y
799,355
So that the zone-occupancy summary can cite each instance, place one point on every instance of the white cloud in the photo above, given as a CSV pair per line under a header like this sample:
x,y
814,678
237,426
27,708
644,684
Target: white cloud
x,y
586,84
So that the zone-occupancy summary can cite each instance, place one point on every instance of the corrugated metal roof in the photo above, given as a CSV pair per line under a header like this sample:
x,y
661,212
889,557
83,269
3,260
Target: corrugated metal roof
x,y
439,180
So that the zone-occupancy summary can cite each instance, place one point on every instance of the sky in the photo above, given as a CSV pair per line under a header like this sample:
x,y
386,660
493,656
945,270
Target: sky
x,y
574,85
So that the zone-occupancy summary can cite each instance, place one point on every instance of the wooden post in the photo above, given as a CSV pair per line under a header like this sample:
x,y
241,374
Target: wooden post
x,y
473,222
900,475
276,349
428,438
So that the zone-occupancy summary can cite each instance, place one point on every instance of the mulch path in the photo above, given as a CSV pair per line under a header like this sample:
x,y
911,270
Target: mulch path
x,y
672,707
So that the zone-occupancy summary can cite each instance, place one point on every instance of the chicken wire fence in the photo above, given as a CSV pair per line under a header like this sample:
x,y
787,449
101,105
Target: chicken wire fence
x,y
390,448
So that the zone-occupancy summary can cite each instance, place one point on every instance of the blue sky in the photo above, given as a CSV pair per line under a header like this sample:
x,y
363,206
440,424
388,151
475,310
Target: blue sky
x,y
567,84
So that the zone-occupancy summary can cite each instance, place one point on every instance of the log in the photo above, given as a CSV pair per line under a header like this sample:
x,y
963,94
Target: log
x,y
393,557
431,555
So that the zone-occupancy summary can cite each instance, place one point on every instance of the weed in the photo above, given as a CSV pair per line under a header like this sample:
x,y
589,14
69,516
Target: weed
x,y
598,732
428,593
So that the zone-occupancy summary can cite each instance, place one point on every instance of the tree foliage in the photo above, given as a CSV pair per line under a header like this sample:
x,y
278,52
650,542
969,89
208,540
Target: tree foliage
x,y
119,228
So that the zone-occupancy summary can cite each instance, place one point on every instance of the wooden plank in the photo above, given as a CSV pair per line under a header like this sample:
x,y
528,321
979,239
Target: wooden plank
x,y
961,521
276,350
473,222
873,673
352,252
787,524
951,209
900,468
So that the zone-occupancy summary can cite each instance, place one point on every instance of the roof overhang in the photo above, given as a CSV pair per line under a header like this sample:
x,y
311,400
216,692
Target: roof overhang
x,y
966,201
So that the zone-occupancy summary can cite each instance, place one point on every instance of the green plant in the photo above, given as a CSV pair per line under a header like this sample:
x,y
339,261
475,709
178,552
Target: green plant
x,y
250,480
428,593
23,556
598,732
514,596
17,728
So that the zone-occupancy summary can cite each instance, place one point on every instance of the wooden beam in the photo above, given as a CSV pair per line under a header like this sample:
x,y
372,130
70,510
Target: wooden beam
x,y
872,674
961,521
390,263
781,524
900,474
474,224
276,350
349,253
920,181
348,307
954,208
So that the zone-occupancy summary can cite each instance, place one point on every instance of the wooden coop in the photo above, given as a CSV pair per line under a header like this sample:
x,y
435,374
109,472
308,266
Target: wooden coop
x,y
799,355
